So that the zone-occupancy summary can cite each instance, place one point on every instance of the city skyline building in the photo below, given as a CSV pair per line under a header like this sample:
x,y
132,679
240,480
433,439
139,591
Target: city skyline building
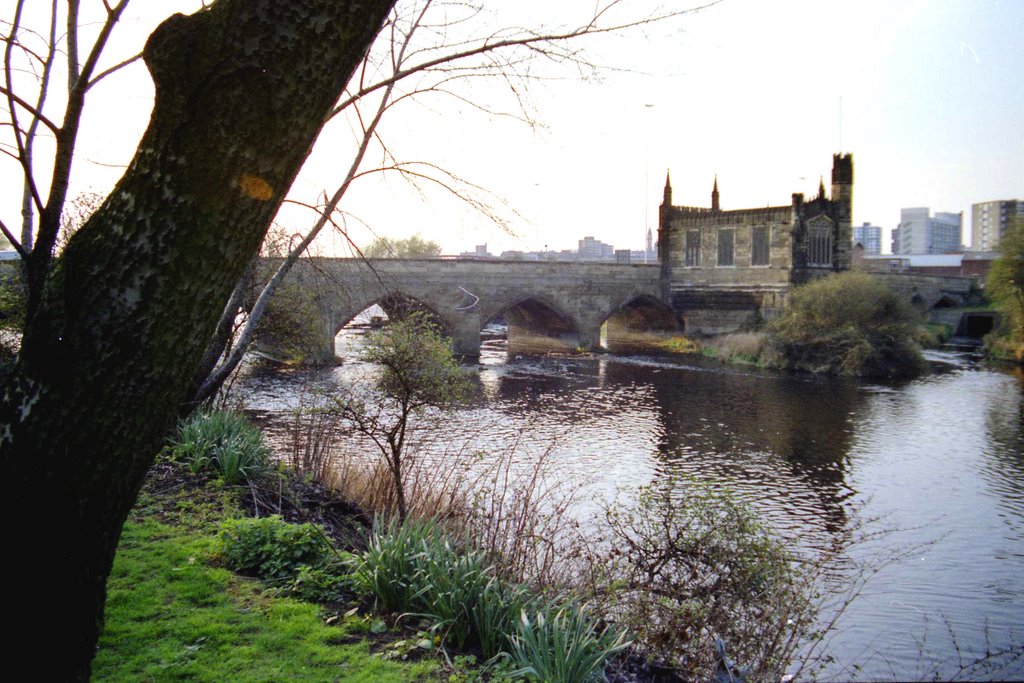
x,y
594,249
989,221
921,233
870,237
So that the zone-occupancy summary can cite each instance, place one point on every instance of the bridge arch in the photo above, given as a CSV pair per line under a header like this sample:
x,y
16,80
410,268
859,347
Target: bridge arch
x,y
536,324
395,304
639,323
947,301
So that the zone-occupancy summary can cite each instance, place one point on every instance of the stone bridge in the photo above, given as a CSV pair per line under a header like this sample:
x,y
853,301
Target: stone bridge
x,y
932,292
546,305
555,305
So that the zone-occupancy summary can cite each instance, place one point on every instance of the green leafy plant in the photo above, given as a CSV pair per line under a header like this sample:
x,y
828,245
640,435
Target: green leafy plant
x,y
223,442
388,570
414,568
563,645
320,584
271,548
1005,286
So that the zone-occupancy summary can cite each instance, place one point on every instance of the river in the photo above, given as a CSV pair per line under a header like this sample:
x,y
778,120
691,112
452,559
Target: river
x,y
935,465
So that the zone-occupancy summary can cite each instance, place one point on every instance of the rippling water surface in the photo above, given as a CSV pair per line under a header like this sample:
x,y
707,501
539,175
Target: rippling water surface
x,y
938,463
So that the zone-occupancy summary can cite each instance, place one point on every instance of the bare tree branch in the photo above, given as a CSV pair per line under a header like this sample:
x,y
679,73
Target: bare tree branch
x,y
73,67
30,193
14,242
117,67
19,140
36,113
49,219
531,40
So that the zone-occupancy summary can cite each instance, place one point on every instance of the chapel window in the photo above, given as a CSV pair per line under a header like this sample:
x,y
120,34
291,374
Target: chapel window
x,y
726,243
692,251
819,242
759,246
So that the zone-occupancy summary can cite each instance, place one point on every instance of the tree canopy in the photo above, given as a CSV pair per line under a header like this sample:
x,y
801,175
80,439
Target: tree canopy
x,y
410,247
1005,286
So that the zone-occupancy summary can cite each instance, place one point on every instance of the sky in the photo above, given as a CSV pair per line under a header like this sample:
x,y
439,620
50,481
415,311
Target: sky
x,y
926,95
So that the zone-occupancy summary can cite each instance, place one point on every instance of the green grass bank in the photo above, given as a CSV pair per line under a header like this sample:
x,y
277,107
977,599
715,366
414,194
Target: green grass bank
x,y
172,615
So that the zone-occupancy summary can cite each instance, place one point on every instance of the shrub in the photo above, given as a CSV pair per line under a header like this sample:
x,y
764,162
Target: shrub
x,y
12,314
1005,287
223,442
417,370
563,645
850,323
271,548
933,335
685,569
290,324
388,570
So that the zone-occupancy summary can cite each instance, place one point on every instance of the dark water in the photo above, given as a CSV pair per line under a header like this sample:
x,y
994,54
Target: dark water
x,y
937,463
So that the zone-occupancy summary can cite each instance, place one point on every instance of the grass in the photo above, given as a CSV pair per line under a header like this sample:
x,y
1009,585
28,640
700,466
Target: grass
x,y
679,345
171,615
737,347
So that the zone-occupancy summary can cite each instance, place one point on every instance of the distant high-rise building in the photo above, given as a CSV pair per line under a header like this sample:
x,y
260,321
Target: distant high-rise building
x,y
989,221
870,237
921,233
593,249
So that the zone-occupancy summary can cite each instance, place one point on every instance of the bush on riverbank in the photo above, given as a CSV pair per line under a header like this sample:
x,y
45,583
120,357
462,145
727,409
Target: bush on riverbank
x,y
1005,287
689,565
416,567
846,324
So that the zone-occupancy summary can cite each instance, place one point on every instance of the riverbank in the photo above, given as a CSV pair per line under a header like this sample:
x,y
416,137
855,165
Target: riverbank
x,y
174,614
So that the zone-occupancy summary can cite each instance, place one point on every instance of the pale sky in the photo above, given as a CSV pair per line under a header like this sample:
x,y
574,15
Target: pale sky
x,y
930,93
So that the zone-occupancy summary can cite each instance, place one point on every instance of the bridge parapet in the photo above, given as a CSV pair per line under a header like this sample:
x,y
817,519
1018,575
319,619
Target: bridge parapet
x,y
559,305
465,295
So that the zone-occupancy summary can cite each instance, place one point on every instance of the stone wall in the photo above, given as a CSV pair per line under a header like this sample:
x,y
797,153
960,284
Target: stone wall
x,y
805,239
777,221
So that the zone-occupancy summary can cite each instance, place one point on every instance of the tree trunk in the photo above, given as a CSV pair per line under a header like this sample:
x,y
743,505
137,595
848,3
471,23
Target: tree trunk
x,y
242,89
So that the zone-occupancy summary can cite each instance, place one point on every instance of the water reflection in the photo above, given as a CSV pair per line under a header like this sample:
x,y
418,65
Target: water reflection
x,y
1003,468
940,459
781,441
